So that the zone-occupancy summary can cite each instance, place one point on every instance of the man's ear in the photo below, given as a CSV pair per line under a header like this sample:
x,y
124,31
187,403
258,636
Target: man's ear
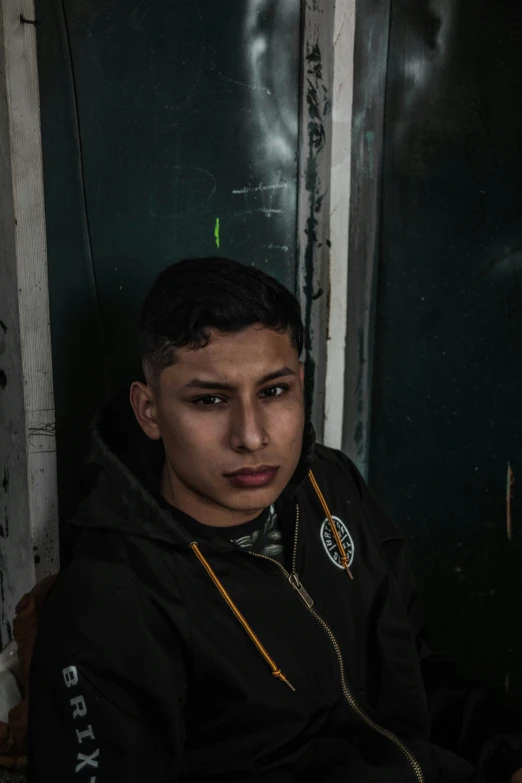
x,y
144,406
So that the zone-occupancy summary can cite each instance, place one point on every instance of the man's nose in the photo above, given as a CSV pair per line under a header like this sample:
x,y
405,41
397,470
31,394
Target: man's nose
x,y
247,428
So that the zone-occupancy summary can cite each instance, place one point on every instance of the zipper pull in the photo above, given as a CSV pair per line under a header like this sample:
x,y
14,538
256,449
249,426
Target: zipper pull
x,y
296,584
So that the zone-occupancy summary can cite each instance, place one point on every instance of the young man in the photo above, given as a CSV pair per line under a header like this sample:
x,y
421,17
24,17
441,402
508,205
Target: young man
x,y
238,607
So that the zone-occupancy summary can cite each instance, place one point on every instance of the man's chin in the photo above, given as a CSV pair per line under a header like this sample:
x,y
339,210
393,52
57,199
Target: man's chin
x,y
249,499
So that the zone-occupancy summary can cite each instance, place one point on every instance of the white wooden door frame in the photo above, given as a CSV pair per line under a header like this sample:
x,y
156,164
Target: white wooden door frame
x,y
370,66
324,203
28,491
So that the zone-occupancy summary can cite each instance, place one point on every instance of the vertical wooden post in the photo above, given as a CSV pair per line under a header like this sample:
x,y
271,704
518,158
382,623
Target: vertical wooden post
x,y
371,52
324,204
28,495
339,216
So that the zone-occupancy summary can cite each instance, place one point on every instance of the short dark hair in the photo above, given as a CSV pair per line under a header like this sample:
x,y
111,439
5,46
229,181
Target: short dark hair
x,y
193,296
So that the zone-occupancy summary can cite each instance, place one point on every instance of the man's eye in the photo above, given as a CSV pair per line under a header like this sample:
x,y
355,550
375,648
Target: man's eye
x,y
279,390
207,400
211,400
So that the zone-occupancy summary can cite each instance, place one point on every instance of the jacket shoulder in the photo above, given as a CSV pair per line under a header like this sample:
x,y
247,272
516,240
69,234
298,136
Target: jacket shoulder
x,y
99,600
85,598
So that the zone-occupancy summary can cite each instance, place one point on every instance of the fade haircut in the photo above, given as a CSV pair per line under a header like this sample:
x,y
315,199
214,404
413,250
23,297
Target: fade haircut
x,y
193,296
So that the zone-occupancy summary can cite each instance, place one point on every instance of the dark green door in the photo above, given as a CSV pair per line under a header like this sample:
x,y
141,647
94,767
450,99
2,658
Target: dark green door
x,y
446,426
169,130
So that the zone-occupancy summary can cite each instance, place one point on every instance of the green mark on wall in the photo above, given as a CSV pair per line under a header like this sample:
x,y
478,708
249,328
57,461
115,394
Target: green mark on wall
x,y
216,232
121,287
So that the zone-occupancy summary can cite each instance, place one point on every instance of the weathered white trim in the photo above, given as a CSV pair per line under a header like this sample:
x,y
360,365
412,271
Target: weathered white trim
x,y
340,178
324,203
369,85
313,258
28,493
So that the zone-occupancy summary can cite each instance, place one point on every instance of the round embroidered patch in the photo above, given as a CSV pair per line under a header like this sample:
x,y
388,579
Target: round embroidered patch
x,y
328,539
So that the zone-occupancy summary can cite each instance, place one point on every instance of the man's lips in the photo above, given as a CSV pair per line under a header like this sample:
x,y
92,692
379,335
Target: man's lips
x,y
250,471
250,477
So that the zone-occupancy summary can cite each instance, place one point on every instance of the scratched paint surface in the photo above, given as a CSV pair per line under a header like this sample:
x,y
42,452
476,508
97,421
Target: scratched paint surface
x,y
446,445
187,123
319,107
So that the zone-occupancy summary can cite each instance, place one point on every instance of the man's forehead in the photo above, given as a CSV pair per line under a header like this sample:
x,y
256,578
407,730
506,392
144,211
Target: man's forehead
x,y
236,357
249,342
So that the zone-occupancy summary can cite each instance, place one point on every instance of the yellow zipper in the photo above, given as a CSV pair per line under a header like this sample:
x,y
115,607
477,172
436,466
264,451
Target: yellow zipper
x,y
308,602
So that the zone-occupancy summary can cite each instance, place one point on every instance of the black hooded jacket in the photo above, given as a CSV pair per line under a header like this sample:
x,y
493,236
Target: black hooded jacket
x,y
162,659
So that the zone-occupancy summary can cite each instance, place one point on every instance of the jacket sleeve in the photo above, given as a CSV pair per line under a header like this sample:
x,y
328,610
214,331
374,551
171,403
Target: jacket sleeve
x,y
105,695
465,716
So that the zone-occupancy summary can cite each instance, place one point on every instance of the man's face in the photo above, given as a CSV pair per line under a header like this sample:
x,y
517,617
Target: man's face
x,y
210,431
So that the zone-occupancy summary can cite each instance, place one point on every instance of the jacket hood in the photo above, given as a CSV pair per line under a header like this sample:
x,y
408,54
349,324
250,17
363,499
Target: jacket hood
x,y
122,472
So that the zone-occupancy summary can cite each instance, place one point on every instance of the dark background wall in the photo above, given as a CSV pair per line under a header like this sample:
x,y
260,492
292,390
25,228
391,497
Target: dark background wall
x,y
447,377
159,119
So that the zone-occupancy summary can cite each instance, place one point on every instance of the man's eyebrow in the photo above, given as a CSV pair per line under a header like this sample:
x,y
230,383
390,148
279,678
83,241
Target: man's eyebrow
x,y
197,383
